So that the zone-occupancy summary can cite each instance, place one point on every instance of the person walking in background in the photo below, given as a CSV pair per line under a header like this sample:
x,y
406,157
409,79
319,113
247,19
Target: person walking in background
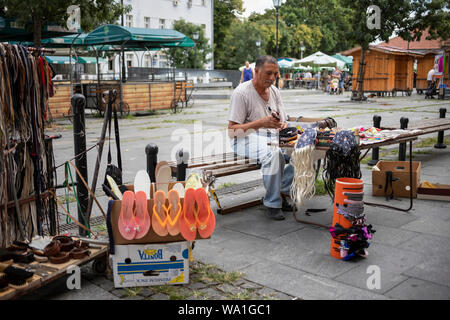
x,y
247,73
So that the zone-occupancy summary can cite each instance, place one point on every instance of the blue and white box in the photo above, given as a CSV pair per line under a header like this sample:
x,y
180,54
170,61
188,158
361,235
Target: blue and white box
x,y
150,264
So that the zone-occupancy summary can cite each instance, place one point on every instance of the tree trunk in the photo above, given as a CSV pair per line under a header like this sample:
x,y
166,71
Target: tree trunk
x,y
361,76
37,29
360,93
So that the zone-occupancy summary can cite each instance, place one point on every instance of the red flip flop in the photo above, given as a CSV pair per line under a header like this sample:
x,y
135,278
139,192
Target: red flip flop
x,y
205,219
188,227
126,221
159,217
173,213
142,218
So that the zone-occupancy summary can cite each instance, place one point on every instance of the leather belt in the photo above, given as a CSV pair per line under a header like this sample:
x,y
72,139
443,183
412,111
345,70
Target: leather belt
x,y
81,244
62,257
67,243
78,253
52,249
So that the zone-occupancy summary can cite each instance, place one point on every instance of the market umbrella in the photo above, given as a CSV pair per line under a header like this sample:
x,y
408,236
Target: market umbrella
x,y
320,59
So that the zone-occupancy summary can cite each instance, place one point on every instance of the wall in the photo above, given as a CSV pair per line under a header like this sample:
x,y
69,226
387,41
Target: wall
x,y
201,13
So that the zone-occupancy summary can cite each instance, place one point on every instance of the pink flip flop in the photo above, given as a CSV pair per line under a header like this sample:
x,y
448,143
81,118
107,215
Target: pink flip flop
x,y
142,218
159,217
188,227
205,219
126,221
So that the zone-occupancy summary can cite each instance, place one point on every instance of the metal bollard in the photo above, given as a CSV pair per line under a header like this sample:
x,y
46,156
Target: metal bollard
x,y
151,150
402,146
182,157
78,102
440,144
375,151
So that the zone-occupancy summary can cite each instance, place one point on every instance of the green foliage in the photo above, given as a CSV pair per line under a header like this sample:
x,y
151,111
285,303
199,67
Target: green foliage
x,y
329,17
224,16
240,45
42,12
190,57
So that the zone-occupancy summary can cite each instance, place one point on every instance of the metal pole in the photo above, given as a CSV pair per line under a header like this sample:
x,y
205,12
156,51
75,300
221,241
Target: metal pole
x,y
277,30
78,102
182,158
151,150
402,146
375,151
100,152
440,144
123,52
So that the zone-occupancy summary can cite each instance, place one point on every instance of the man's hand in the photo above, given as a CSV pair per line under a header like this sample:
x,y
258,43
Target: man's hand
x,y
270,122
284,125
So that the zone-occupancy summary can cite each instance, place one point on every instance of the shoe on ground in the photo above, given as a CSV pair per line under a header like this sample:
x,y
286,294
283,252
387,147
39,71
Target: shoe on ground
x,y
275,214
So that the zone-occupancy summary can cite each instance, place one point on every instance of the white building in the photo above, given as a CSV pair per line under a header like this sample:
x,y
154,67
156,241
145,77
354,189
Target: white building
x,y
161,14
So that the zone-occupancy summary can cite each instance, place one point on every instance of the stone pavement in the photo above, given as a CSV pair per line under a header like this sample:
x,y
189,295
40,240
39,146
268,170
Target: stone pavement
x,y
287,259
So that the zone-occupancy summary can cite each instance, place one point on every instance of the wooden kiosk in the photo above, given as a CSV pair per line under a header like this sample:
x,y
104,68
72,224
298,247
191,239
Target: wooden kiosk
x,y
388,70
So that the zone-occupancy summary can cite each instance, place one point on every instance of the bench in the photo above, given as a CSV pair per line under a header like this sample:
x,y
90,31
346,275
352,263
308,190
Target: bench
x,y
228,164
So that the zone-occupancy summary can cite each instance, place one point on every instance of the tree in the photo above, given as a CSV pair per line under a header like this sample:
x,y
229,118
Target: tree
x,y
290,35
404,17
224,16
242,48
43,12
190,57
330,17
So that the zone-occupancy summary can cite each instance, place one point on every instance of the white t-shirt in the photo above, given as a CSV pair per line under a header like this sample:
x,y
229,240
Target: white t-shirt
x,y
430,75
246,104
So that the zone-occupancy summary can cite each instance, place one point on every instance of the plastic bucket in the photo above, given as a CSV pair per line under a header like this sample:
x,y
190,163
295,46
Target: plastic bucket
x,y
343,185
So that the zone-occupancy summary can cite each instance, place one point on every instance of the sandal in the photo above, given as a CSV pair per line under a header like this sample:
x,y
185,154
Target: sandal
x,y
126,222
205,219
141,216
173,212
188,227
159,217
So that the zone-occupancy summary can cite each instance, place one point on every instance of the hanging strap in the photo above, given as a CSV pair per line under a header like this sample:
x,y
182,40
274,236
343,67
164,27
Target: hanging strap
x,y
111,99
116,132
110,102
388,184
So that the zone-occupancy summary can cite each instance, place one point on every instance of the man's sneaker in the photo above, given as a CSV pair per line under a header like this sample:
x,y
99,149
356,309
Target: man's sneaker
x,y
286,206
275,214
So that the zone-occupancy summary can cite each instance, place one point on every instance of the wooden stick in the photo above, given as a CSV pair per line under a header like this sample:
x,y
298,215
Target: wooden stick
x,y
75,220
89,189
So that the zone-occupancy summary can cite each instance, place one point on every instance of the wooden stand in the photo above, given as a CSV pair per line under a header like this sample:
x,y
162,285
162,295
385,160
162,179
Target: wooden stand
x,y
48,272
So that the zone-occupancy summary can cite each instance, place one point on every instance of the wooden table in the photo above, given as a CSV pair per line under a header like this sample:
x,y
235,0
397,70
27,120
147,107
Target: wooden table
x,y
52,273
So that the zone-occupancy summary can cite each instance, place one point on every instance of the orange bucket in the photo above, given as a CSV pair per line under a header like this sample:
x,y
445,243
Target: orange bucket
x,y
343,185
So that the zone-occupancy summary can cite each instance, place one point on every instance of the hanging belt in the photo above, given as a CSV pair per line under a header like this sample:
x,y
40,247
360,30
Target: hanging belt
x,y
389,180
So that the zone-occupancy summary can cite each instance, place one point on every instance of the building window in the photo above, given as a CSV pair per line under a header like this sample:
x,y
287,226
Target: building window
x,y
147,22
147,60
162,23
204,3
129,22
110,64
129,60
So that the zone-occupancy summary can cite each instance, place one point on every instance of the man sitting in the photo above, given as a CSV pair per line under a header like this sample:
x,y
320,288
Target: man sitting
x,y
256,115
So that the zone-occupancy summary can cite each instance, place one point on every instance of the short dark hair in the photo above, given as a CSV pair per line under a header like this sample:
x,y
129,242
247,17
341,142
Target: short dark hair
x,y
263,59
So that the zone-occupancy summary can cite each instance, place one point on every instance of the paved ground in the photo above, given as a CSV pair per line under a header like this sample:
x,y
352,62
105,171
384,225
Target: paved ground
x,y
287,259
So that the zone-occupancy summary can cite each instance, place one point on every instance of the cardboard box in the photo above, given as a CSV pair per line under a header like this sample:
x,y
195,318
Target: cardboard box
x,y
400,170
151,236
441,192
149,265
